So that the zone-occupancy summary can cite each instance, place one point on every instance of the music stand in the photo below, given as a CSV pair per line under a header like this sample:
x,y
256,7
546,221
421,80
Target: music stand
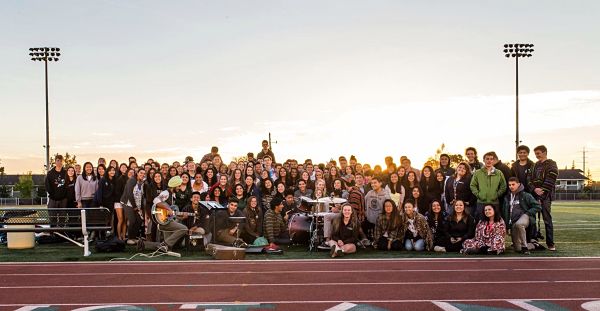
x,y
213,207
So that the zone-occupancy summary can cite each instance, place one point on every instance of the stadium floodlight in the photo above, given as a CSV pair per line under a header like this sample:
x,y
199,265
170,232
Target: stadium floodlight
x,y
46,54
516,51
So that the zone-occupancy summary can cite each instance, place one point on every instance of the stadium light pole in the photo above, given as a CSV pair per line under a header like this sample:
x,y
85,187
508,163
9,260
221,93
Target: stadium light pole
x,y
46,54
517,50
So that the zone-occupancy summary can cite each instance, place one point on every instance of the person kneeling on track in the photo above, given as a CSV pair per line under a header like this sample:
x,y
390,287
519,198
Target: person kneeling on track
x,y
519,211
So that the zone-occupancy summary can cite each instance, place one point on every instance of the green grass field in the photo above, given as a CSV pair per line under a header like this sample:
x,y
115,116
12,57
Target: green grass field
x,y
576,226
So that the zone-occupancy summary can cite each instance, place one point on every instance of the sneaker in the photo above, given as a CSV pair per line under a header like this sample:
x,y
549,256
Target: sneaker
x,y
132,242
552,248
525,251
332,252
163,248
339,252
365,242
439,249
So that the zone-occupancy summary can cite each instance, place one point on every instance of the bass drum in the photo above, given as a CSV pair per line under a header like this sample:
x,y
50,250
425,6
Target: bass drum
x,y
299,228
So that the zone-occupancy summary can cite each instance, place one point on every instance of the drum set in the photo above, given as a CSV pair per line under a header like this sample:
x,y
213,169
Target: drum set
x,y
306,227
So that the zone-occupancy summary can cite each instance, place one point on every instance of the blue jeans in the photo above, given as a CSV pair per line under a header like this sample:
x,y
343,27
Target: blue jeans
x,y
418,246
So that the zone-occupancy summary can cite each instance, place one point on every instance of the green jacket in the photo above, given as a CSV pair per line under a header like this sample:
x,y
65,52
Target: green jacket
x,y
488,188
527,204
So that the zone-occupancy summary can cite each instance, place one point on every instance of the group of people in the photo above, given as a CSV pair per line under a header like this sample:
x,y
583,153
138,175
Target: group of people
x,y
468,208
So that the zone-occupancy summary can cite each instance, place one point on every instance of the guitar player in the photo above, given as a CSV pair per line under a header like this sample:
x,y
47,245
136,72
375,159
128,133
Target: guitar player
x,y
173,231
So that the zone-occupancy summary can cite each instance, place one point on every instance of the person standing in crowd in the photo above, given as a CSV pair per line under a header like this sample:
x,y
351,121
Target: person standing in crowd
x,y
267,193
489,234
518,212
445,167
522,168
209,156
542,181
415,231
253,227
473,161
436,220
405,162
86,186
183,194
487,185
199,185
133,202
55,184
106,188
387,227
268,167
458,187
411,180
153,187
275,230
374,205
121,228
266,150
240,196
70,187
395,189
344,233
430,187
417,199
77,169
459,227
100,171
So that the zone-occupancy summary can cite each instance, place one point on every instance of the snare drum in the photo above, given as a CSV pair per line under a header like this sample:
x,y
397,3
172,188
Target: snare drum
x,y
299,228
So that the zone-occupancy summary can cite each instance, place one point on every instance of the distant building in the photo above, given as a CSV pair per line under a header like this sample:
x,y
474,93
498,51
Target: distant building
x,y
570,180
10,181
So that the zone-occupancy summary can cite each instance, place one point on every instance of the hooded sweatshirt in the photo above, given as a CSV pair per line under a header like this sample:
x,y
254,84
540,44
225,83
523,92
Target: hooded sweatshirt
x,y
374,204
519,203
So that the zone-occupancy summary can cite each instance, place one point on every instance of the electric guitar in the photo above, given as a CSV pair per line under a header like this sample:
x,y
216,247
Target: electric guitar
x,y
165,214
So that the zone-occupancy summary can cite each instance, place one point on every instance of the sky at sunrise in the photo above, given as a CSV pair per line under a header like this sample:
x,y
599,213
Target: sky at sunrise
x,y
167,79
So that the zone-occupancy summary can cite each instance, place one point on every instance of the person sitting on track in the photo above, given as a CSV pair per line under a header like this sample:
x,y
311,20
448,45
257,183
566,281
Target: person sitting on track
x,y
198,225
387,226
460,227
253,227
519,211
437,222
227,230
275,229
489,234
173,231
345,232
415,230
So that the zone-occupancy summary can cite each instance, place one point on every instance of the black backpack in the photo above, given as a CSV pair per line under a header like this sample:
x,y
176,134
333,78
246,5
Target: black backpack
x,y
110,246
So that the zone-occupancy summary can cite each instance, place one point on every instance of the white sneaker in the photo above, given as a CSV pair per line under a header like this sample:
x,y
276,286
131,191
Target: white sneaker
x,y
132,242
439,249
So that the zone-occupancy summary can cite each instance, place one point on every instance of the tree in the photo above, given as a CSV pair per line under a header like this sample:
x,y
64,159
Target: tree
x,y
4,193
68,160
25,186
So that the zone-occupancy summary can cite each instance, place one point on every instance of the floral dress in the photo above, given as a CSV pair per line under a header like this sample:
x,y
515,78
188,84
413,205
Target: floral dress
x,y
490,235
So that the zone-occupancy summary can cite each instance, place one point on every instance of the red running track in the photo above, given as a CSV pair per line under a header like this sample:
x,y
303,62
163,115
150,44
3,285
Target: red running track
x,y
400,284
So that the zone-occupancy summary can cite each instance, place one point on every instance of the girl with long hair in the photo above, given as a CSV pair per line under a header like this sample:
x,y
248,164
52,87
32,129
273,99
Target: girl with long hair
x,y
460,227
387,227
489,234
415,230
344,232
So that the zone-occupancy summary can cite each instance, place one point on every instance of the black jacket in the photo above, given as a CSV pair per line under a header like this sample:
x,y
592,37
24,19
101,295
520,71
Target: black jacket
x,y
55,184
128,193
522,172
107,192
463,191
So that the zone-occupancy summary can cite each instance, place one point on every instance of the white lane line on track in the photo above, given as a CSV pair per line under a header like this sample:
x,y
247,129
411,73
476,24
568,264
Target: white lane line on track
x,y
445,306
296,271
306,261
524,305
294,284
144,303
342,307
